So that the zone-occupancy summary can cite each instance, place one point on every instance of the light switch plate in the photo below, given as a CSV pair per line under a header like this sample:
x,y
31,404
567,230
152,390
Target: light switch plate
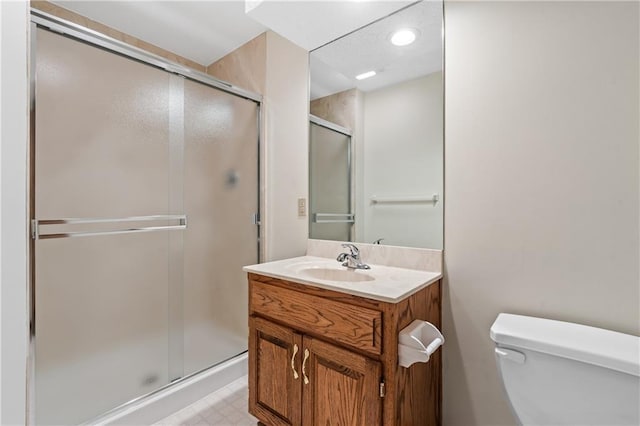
x,y
302,207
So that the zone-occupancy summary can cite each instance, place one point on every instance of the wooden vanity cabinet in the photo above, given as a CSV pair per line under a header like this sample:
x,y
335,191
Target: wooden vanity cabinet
x,y
321,357
274,392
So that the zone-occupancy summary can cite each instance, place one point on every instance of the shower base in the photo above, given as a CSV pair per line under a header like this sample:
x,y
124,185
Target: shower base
x,y
165,402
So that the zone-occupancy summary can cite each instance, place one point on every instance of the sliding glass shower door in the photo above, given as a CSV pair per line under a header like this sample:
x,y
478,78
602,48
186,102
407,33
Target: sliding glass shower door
x,y
330,200
144,189
221,198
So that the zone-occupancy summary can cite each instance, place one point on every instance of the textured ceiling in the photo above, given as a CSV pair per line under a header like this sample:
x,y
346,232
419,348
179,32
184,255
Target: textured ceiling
x,y
202,31
334,66
205,30
310,24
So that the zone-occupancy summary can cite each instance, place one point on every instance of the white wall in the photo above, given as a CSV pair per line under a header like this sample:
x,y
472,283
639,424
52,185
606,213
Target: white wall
x,y
542,182
403,157
13,214
287,133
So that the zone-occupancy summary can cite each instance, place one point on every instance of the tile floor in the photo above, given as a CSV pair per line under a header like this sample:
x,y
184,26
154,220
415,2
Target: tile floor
x,y
225,407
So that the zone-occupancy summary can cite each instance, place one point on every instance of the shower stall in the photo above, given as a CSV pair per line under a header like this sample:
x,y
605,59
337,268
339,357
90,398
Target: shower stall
x,y
144,208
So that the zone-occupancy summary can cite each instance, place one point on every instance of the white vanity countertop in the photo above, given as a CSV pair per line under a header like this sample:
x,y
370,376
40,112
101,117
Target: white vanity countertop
x,y
384,283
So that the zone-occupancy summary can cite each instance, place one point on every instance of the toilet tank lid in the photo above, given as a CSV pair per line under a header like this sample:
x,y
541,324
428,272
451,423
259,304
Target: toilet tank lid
x,y
605,348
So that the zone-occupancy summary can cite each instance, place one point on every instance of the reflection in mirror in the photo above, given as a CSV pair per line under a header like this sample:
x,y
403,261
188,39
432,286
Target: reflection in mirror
x,y
330,181
376,132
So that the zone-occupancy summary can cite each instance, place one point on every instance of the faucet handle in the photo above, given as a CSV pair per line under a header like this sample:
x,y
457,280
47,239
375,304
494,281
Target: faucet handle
x,y
352,260
352,248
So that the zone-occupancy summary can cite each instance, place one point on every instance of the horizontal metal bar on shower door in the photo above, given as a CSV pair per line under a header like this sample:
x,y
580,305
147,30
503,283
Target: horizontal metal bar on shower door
x,y
37,235
334,218
75,221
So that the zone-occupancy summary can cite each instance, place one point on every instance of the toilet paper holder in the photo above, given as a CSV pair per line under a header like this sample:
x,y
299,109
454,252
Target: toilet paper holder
x,y
417,342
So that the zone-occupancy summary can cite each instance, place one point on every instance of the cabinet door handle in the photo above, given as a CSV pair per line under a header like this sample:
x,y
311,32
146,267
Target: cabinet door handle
x,y
293,358
304,365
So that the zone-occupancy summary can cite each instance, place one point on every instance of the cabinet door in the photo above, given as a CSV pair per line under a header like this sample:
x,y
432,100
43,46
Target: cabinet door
x,y
275,380
341,388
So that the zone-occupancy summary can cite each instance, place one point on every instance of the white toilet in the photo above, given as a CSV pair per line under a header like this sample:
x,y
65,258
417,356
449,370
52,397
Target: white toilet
x,y
560,373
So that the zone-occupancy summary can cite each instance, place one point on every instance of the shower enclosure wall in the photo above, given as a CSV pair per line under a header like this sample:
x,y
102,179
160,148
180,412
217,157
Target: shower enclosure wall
x,y
144,205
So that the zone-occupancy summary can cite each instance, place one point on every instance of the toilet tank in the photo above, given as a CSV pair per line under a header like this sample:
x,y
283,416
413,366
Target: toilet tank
x,y
559,373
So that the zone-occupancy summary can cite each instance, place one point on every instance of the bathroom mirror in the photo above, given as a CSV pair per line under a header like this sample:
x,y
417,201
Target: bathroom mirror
x,y
376,132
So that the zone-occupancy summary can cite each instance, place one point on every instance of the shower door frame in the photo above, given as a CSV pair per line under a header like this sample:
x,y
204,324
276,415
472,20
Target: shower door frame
x,y
48,22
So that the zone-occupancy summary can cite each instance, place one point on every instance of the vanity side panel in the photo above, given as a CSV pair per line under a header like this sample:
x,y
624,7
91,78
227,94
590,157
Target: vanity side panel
x,y
414,394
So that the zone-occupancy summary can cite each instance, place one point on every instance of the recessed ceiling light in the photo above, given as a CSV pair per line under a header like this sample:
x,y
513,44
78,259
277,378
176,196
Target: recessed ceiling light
x,y
365,75
403,37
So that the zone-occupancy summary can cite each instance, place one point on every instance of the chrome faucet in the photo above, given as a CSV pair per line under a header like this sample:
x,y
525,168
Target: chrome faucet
x,y
352,259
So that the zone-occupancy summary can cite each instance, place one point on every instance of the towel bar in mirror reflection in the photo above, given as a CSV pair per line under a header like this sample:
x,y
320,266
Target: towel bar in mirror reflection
x,y
418,199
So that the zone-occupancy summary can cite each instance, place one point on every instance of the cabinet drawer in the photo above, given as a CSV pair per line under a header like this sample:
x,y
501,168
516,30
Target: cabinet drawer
x,y
352,325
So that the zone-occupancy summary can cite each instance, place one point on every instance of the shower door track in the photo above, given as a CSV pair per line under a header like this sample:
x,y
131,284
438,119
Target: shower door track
x,y
95,38
101,41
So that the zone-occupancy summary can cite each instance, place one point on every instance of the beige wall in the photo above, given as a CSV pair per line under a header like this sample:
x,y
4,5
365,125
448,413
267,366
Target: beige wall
x,y
541,180
279,70
339,108
245,66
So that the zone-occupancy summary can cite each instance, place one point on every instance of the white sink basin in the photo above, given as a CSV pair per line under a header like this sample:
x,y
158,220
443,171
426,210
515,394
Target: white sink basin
x,y
331,274
384,283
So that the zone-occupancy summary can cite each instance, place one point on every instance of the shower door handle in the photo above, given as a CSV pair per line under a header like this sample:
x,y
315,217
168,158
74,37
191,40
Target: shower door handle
x,y
333,218
36,234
